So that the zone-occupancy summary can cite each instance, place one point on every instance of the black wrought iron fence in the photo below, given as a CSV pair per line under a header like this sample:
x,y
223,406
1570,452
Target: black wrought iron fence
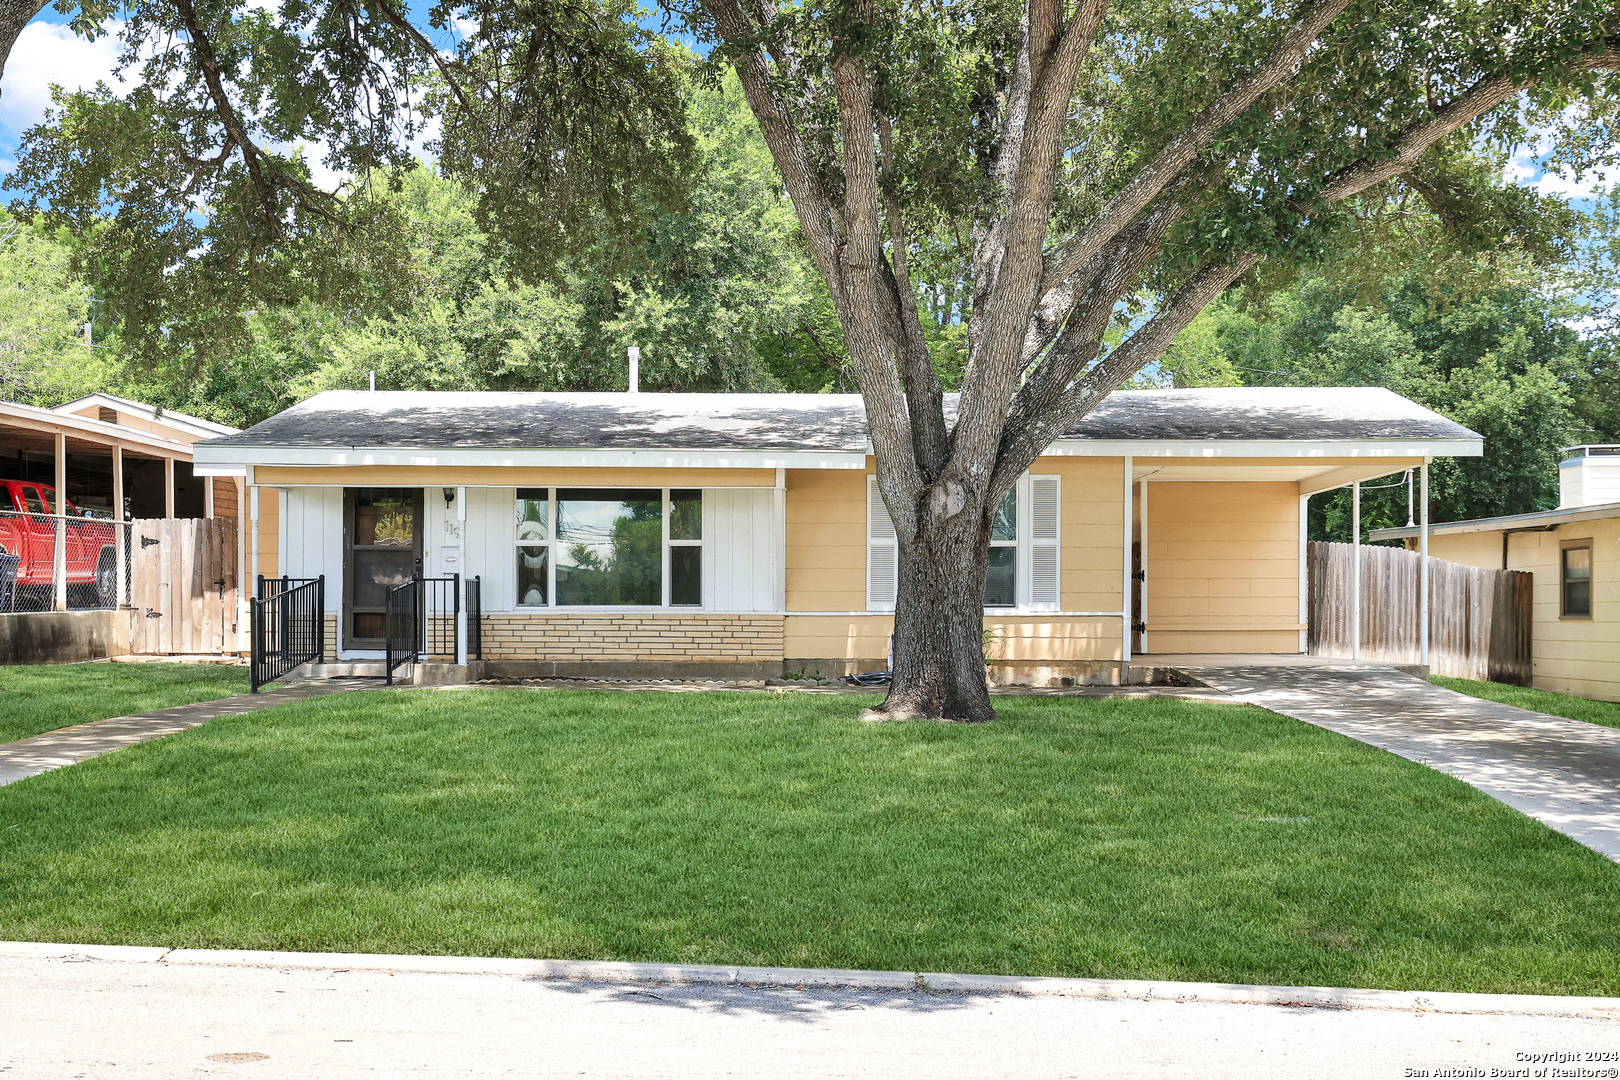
x,y
402,627
441,614
475,617
287,627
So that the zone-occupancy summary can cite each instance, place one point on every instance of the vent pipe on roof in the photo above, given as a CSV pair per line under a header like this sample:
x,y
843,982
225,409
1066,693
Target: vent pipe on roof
x,y
635,369
371,380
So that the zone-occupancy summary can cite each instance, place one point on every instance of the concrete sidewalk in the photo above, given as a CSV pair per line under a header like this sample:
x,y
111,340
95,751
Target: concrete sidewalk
x,y
64,746
1564,773
94,1012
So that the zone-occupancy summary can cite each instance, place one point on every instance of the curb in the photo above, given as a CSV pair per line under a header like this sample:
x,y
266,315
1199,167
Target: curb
x,y
615,972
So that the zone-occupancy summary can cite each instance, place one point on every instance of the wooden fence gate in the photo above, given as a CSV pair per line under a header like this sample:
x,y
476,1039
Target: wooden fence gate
x,y
183,585
1479,619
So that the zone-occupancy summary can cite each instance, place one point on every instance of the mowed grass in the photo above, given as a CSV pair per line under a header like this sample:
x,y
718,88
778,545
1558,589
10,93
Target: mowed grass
x,y
1116,838
1606,713
41,697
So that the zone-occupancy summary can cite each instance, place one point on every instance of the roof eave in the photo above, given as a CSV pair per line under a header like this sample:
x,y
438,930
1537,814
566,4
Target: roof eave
x,y
1507,521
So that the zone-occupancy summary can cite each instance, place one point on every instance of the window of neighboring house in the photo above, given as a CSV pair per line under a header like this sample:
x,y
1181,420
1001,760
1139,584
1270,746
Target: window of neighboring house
x,y
1022,570
1577,579
611,547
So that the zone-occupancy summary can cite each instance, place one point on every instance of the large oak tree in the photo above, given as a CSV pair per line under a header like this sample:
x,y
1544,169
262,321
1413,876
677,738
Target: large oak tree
x,y
1116,167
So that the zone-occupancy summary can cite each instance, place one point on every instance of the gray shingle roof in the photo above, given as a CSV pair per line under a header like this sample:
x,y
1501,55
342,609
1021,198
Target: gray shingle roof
x,y
807,422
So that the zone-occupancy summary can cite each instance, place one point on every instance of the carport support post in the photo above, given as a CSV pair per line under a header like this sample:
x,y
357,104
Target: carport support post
x,y
59,560
1355,570
253,538
120,529
1125,578
168,487
1423,569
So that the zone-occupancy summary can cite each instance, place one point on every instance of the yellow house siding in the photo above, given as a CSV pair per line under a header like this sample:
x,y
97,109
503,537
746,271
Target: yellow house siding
x,y
1092,517
269,533
1016,638
837,637
1223,567
826,542
1571,656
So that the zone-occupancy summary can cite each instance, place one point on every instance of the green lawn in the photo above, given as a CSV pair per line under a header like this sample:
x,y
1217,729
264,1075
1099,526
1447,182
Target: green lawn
x,y
1117,838
1606,713
42,697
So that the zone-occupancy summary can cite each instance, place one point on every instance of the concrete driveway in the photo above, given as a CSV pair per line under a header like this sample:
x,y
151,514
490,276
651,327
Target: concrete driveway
x,y
82,1017
1564,773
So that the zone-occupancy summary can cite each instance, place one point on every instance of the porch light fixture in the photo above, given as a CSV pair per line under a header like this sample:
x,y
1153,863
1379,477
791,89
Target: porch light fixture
x,y
449,497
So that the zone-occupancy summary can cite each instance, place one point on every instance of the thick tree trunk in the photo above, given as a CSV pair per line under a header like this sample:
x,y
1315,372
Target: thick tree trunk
x,y
938,664
14,15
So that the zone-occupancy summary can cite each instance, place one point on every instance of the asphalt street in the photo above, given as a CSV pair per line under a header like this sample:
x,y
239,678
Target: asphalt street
x,y
64,1018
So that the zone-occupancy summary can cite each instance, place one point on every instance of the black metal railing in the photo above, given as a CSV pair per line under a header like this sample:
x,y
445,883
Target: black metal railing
x,y
475,617
441,613
287,627
270,586
402,627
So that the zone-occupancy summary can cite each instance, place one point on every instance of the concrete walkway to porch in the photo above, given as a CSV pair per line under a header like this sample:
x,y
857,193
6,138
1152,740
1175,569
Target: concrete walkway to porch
x,y
1564,773
65,746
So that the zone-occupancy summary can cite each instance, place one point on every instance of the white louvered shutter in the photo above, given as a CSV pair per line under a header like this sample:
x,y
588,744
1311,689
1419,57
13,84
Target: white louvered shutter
x,y
882,560
1043,541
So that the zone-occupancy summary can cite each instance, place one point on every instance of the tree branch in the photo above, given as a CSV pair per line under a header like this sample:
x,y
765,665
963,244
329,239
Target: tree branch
x,y
1176,155
204,51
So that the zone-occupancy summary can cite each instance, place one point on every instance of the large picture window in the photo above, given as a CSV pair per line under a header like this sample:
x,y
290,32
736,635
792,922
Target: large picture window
x,y
1022,572
609,547
1577,579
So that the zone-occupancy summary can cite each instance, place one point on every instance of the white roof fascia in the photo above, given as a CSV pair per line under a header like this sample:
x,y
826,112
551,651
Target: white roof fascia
x,y
109,433
468,457
1509,522
1272,448
218,470
208,428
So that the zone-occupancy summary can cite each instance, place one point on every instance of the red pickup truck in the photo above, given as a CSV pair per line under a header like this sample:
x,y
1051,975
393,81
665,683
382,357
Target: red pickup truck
x,y
29,534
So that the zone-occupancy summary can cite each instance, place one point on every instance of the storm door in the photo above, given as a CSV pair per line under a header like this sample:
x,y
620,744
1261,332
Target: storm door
x,y
382,546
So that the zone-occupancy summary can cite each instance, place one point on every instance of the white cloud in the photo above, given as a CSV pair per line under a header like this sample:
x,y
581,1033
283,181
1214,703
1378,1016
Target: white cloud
x,y
1526,169
47,53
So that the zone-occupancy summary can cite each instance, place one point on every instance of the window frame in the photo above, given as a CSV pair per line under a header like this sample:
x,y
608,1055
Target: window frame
x,y
1564,548
665,544
1025,543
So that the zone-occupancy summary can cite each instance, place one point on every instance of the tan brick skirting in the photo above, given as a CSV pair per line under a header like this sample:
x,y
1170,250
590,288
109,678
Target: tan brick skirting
x,y
647,638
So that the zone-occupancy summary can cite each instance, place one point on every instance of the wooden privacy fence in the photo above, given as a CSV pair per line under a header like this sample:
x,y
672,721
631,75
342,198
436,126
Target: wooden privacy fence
x,y
1479,619
183,585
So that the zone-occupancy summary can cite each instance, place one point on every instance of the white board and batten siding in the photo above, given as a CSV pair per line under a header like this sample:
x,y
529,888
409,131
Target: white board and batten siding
x,y
742,552
312,538
1039,546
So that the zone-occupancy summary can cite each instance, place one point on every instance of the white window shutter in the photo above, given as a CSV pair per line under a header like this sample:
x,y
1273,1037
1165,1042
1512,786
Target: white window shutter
x,y
882,560
1043,543
879,527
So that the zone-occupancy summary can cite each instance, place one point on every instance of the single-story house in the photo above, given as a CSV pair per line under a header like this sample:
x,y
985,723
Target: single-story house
x,y
731,533
1574,554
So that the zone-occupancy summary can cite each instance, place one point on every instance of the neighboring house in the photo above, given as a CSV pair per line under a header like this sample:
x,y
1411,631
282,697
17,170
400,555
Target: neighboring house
x,y
664,533
1574,553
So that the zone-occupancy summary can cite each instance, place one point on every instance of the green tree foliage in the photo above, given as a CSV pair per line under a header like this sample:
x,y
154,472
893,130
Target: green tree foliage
x,y
719,296
43,305
1507,362
199,193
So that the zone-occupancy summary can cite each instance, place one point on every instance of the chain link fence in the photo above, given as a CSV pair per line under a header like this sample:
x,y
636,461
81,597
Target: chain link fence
x,y
52,561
